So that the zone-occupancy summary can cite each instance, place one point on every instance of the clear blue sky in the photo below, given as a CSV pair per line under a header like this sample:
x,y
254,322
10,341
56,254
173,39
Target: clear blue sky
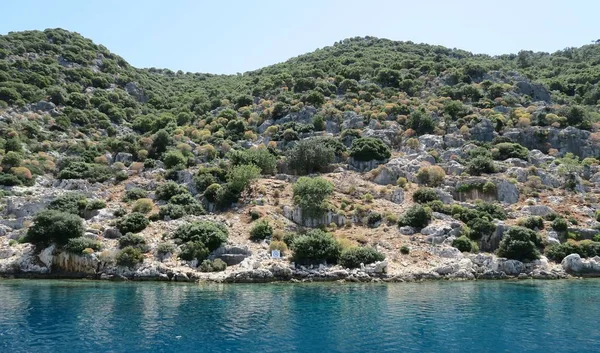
x,y
229,36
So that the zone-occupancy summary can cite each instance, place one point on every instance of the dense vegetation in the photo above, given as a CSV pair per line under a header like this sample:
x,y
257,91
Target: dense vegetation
x,y
74,110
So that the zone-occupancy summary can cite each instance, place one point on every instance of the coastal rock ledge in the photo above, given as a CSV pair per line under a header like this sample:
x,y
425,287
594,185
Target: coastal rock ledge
x,y
452,265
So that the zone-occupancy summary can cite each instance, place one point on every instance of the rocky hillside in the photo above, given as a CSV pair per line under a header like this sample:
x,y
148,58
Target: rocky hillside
x,y
368,159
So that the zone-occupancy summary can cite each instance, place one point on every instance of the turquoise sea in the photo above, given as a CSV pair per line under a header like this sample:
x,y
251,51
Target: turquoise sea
x,y
484,316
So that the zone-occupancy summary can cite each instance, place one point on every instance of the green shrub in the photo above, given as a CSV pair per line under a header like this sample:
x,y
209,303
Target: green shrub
x,y
164,249
316,246
9,180
425,195
216,265
132,223
310,156
260,157
462,243
143,206
373,219
494,210
506,150
54,226
560,225
480,165
211,193
129,257
169,189
480,227
172,211
78,245
368,148
211,234
94,204
241,176
416,216
404,250
11,159
204,180
174,158
421,122
353,257
431,175
533,222
289,238
310,194
261,230
520,243
74,203
135,240
92,172
194,250
135,194
585,249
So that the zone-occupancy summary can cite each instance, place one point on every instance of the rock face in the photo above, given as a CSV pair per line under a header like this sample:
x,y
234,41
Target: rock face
x,y
364,166
133,90
406,167
231,255
483,131
568,140
537,210
490,243
295,214
507,191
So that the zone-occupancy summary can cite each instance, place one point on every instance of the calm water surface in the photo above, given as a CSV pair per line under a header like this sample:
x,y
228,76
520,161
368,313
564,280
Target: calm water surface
x,y
80,316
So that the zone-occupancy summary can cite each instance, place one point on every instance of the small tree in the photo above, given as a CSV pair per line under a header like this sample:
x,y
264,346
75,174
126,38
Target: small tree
x,y
462,243
520,243
309,156
174,158
211,234
425,195
261,230
353,257
316,247
132,223
129,257
54,226
368,148
310,194
260,157
421,122
241,176
169,189
194,250
417,216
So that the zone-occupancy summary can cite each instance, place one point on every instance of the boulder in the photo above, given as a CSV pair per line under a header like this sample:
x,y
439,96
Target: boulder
x,y
231,255
407,230
574,264
124,157
506,191
483,131
537,210
454,168
397,196
295,214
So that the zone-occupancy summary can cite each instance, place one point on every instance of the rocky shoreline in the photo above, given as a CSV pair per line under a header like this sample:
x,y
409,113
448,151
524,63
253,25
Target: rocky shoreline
x,y
53,264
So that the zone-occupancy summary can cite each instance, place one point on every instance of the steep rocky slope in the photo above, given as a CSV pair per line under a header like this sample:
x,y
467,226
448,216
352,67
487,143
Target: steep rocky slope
x,y
445,163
